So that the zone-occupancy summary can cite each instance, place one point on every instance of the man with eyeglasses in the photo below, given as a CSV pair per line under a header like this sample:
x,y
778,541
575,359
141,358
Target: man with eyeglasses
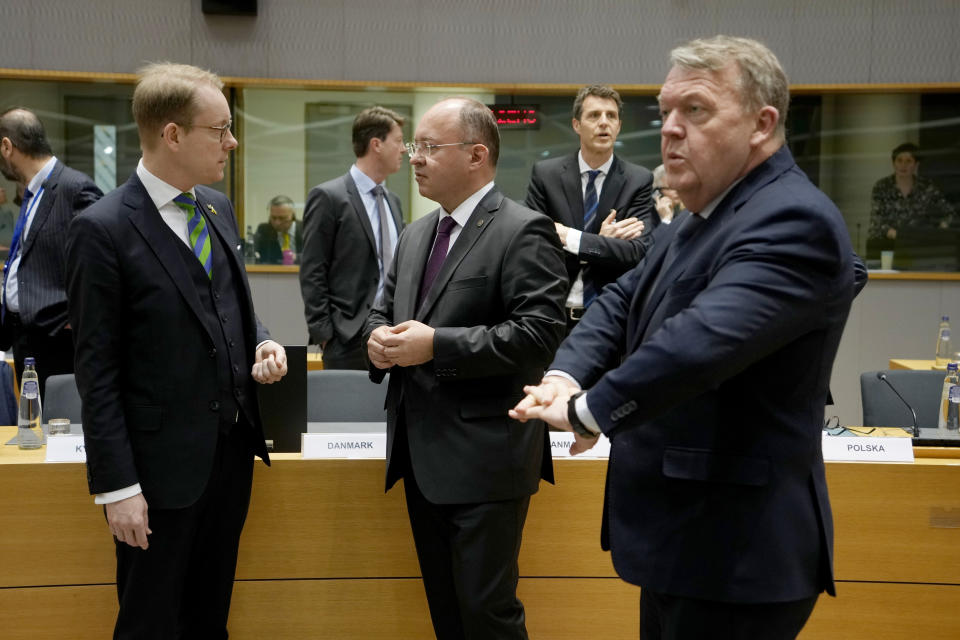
x,y
168,353
472,310
601,204
351,225
34,297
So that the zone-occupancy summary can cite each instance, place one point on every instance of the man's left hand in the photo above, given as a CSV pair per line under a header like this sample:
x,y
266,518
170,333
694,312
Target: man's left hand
x,y
409,343
270,364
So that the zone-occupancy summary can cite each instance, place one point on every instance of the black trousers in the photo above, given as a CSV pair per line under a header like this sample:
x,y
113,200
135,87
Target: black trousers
x,y
180,586
664,617
53,354
344,355
468,558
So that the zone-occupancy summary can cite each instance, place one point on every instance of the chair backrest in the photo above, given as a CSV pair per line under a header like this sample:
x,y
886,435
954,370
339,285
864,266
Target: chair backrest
x,y
340,395
882,407
61,398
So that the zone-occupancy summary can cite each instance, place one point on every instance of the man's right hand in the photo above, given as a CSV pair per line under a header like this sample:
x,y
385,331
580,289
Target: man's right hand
x,y
128,521
626,229
376,349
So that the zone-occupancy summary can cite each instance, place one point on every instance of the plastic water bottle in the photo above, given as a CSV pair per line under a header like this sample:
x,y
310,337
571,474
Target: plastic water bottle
x,y
29,418
949,381
249,253
953,412
944,350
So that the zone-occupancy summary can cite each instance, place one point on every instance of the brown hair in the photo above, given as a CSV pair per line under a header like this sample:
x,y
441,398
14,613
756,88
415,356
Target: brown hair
x,y
599,91
375,122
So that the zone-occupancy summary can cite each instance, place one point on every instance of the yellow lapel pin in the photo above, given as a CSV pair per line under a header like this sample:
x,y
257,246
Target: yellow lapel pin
x,y
212,210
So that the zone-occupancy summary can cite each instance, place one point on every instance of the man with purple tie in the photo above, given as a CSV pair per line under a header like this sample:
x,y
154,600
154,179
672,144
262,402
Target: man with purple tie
x,y
472,310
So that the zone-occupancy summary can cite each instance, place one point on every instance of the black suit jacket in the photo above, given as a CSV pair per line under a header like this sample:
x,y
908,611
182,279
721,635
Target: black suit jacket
x,y
497,307
144,367
267,246
555,190
41,281
710,382
339,267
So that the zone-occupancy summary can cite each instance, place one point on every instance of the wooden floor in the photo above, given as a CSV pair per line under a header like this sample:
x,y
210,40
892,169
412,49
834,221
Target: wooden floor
x,y
326,554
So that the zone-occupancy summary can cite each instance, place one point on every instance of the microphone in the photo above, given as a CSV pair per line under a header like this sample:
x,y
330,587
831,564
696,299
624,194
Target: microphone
x,y
916,429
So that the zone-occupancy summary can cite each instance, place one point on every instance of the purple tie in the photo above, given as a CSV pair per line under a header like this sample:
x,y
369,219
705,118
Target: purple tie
x,y
437,256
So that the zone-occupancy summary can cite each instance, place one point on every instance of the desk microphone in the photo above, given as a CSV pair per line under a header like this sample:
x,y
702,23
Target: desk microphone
x,y
916,429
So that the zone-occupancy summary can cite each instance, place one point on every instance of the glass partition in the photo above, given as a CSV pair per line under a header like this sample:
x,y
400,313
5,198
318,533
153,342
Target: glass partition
x,y
294,138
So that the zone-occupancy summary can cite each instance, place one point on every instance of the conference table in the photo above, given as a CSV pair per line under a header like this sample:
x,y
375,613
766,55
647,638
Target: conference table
x,y
914,365
327,554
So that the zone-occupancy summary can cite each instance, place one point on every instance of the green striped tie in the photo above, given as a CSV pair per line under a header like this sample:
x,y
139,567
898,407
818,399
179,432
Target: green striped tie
x,y
197,229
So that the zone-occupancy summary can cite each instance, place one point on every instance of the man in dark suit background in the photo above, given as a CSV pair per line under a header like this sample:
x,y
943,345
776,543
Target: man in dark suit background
x,y
280,233
34,292
345,252
602,205
707,366
167,351
472,310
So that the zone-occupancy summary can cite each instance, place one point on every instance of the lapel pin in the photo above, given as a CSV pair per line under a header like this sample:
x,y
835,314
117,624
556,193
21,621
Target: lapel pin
x,y
480,222
212,210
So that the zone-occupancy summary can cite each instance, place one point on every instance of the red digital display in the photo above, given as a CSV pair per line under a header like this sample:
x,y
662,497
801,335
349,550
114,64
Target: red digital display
x,y
516,116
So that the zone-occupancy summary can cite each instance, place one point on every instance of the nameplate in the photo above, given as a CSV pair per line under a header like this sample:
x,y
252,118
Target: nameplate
x,y
359,446
866,449
66,448
560,442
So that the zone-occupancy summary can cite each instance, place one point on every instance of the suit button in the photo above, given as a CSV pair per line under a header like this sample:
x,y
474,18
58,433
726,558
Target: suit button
x,y
213,352
236,368
214,405
223,317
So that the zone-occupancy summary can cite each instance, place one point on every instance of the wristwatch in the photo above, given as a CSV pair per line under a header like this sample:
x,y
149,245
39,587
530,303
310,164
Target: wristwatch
x,y
578,427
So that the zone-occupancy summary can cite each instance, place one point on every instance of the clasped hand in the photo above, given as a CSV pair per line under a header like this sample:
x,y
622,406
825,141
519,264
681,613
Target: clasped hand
x,y
406,344
549,401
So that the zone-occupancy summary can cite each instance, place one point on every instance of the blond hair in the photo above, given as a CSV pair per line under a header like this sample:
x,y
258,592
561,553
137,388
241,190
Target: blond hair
x,y
165,93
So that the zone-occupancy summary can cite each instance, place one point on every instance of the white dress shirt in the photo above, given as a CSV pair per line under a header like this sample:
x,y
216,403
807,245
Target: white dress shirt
x,y
12,296
572,243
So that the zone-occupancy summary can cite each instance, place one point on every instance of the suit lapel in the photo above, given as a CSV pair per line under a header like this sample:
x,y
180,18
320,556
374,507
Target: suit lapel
x,y
146,219
408,279
44,208
573,190
477,223
354,196
395,210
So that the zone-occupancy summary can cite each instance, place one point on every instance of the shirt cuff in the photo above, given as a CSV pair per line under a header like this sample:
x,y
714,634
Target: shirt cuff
x,y
262,343
118,495
562,374
583,412
573,241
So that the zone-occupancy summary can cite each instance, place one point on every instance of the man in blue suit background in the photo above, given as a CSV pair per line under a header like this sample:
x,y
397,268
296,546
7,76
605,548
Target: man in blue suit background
x,y
707,366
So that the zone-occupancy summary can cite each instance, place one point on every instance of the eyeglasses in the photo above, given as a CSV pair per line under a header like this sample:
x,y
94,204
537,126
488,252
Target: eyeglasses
x,y
223,129
426,149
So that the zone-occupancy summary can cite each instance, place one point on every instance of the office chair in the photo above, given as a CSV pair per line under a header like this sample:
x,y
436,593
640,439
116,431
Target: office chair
x,y
882,407
337,395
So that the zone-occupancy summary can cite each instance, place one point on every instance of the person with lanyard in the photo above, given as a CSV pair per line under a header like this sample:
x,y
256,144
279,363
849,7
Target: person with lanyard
x,y
601,204
34,298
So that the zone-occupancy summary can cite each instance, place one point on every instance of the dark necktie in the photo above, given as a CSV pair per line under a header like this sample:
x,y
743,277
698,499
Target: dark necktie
x,y
386,250
590,203
437,256
15,241
198,232
590,200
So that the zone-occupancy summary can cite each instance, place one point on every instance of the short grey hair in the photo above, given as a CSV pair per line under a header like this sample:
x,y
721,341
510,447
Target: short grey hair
x,y
762,80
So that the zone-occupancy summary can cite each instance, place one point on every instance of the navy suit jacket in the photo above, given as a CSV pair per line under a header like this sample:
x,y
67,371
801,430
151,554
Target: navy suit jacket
x,y
267,245
711,386
339,265
145,363
555,190
42,284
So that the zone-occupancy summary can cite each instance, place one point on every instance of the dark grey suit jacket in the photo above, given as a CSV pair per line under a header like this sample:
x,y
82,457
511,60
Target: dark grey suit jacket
x,y
497,307
42,287
339,268
555,190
